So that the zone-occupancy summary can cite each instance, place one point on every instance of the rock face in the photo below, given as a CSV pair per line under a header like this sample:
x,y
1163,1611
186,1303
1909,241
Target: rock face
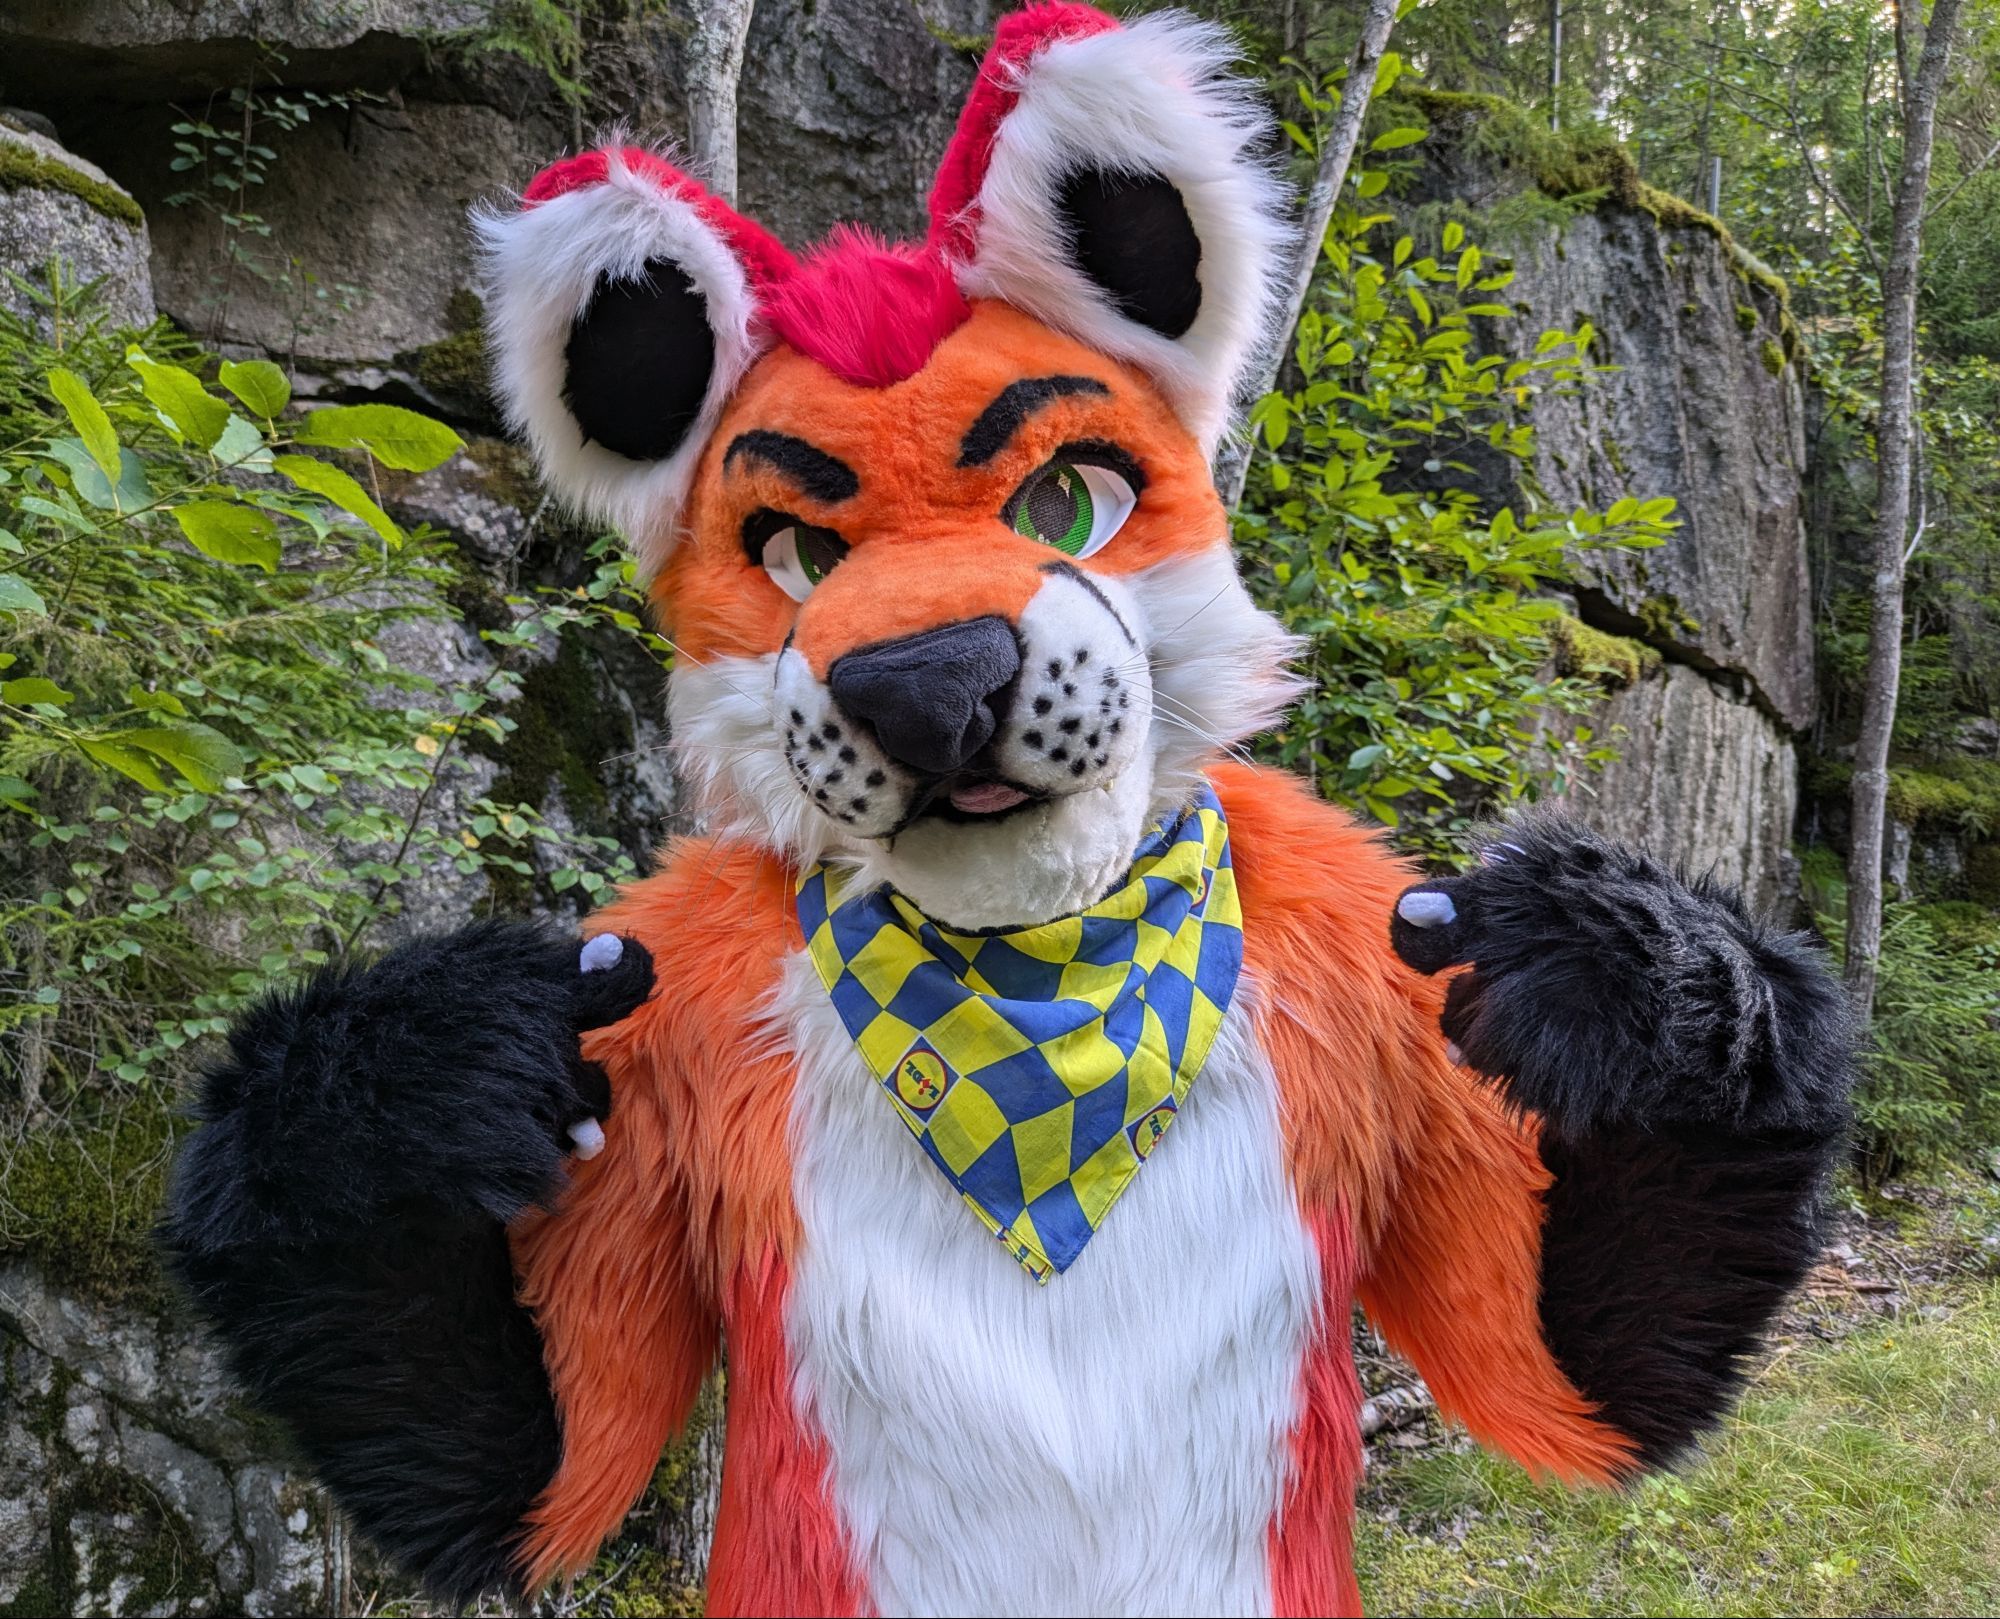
x,y
131,1481
1704,405
1703,777
52,199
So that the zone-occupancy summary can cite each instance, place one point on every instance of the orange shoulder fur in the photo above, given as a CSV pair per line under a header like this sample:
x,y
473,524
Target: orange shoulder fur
x,y
1441,1183
626,1276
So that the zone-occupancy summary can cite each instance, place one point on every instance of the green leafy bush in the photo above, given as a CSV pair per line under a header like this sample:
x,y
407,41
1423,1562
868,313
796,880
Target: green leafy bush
x,y
1422,604
218,765
1930,1089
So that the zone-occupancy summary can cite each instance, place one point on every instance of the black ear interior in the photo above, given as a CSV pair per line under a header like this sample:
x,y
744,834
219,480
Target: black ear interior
x,y
638,362
1131,235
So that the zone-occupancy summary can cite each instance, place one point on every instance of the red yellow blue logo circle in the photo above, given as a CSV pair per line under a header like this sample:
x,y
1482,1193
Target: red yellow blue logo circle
x,y
1147,1132
920,1080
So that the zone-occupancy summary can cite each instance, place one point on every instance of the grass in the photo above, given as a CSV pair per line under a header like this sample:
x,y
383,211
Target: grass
x,y
1860,1476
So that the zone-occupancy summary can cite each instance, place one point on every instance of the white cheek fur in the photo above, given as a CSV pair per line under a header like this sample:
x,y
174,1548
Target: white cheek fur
x,y
1208,672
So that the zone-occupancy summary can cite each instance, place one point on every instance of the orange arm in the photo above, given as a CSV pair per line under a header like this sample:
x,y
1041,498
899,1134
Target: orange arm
x,y
628,1334
1454,1279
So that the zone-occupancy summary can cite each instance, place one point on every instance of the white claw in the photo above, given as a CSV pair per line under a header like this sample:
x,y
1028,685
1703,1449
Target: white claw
x,y
600,954
1451,1051
588,1135
1426,908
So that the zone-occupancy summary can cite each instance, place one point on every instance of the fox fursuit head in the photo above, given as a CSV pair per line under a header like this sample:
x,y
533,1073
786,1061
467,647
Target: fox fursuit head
x,y
1018,1090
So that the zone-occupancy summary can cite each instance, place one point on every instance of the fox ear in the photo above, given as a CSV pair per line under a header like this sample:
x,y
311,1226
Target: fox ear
x,y
1104,179
621,314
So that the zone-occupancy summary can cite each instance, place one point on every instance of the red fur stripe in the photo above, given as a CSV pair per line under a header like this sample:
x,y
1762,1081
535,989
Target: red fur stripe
x,y
955,192
779,1547
1312,1542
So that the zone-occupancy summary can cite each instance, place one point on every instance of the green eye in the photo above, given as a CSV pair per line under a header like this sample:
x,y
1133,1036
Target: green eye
x,y
1074,506
798,556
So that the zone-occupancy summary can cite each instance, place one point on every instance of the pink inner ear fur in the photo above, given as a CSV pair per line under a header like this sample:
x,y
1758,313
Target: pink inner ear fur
x,y
870,311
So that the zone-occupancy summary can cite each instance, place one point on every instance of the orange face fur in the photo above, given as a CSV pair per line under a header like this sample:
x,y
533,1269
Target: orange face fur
x,y
929,544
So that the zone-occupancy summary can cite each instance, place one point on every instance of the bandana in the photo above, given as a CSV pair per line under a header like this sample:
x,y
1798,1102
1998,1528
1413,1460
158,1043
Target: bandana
x,y
1038,1068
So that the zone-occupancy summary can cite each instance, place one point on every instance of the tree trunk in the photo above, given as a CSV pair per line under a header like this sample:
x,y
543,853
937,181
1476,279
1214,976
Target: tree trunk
x,y
714,69
1336,154
1895,446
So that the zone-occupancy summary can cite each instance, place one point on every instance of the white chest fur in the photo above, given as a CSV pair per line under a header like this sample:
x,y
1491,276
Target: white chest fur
x,y
1113,1443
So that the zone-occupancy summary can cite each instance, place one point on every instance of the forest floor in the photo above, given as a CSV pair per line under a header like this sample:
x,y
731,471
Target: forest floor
x,y
1860,1476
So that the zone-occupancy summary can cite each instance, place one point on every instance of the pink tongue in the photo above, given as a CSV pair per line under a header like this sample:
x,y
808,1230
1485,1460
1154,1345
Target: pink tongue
x,y
988,798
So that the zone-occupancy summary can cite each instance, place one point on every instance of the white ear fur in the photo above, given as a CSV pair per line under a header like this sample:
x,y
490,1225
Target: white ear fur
x,y
1153,97
542,262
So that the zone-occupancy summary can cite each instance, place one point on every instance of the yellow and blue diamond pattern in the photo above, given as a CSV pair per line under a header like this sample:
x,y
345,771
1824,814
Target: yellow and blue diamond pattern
x,y
1038,1068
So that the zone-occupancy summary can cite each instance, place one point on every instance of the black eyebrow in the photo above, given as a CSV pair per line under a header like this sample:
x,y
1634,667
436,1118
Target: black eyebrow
x,y
826,478
1002,419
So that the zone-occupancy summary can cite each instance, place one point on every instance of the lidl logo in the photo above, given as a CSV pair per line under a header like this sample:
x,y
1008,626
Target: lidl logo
x,y
921,1079
1147,1132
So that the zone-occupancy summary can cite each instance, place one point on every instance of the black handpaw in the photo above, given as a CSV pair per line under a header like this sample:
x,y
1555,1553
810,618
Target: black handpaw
x,y
1605,991
447,1076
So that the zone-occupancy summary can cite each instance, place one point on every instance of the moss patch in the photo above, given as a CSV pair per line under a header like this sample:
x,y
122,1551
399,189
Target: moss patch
x,y
455,367
1611,660
80,1197
1951,795
1663,618
1773,357
24,169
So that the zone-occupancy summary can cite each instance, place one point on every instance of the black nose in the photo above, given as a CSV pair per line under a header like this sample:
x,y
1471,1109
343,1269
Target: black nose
x,y
929,696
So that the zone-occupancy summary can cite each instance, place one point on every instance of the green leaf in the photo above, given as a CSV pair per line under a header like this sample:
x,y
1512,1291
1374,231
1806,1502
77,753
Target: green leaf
x,y
1391,140
126,761
13,790
177,394
87,417
231,533
396,437
1373,183
202,755
129,494
324,479
242,446
33,689
259,384
18,596
164,702
1361,758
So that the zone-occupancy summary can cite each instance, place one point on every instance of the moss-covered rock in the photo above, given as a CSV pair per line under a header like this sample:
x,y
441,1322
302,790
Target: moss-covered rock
x,y
1613,661
1948,795
1582,169
79,1196
22,168
454,369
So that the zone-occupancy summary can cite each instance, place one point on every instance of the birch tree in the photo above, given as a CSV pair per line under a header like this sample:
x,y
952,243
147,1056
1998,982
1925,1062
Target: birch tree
x,y
714,70
1895,451
1335,157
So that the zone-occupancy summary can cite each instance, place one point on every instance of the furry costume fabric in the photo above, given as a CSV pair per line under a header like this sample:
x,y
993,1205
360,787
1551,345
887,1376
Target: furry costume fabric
x,y
933,528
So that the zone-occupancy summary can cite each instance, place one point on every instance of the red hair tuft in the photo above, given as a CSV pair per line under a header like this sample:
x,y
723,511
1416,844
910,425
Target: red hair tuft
x,y
872,312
